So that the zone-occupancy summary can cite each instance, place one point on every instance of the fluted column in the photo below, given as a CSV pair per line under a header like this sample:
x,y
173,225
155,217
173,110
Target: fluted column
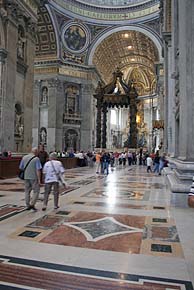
x,y
98,124
133,124
104,133
3,55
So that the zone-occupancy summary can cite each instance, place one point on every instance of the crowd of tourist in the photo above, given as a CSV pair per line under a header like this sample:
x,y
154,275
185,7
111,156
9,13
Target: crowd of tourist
x,y
40,167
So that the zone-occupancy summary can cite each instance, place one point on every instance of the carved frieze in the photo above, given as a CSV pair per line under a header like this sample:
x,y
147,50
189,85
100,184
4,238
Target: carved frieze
x,y
55,83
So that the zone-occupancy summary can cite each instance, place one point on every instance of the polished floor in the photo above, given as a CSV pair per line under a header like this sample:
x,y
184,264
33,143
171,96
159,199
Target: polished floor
x,y
121,231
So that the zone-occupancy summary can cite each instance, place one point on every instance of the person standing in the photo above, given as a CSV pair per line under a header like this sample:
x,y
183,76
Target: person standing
x,y
31,177
43,156
161,163
149,163
156,162
53,171
98,163
106,161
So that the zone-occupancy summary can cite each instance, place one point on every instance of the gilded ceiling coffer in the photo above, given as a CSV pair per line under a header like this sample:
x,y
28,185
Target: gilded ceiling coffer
x,y
119,94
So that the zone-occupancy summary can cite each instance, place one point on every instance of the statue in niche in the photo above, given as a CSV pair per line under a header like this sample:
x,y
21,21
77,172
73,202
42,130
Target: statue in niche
x,y
71,97
44,95
21,43
142,141
43,135
71,139
19,126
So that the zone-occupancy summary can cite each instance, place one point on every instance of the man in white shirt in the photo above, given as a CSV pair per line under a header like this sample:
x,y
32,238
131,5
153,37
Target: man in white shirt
x,y
149,164
53,171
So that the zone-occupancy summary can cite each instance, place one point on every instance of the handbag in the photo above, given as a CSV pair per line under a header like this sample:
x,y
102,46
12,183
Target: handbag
x,y
191,201
21,174
22,171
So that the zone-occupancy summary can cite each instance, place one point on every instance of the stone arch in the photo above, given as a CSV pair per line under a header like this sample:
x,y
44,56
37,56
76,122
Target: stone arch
x,y
139,28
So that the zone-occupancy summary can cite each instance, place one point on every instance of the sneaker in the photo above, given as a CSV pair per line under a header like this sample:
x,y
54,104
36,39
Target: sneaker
x,y
44,208
56,207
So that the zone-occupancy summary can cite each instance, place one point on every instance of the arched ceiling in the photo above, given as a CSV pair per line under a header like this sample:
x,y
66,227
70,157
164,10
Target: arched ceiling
x,y
114,3
46,45
133,52
108,11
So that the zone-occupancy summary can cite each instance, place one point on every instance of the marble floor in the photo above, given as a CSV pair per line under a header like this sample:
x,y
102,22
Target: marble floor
x,y
121,231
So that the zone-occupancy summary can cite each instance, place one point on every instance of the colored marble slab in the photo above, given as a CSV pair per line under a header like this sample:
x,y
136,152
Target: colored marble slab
x,y
36,274
150,220
96,177
62,191
12,187
8,210
161,233
61,212
158,207
46,222
96,230
82,182
29,234
116,204
67,190
159,220
156,247
130,185
118,193
119,233
161,248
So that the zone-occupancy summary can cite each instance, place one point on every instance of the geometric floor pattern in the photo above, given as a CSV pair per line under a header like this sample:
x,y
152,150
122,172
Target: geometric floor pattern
x,y
121,231
67,277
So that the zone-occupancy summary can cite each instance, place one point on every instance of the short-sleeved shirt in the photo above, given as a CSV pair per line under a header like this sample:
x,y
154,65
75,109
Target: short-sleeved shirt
x,y
50,172
149,161
33,166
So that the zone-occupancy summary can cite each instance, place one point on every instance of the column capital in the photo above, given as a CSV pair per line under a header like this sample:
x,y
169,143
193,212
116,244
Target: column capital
x,y
55,83
37,83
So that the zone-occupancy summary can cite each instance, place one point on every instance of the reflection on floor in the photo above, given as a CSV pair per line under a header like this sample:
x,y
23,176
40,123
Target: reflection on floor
x,y
121,231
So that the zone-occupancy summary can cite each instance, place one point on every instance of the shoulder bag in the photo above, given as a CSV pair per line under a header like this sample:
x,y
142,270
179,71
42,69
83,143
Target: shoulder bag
x,y
22,171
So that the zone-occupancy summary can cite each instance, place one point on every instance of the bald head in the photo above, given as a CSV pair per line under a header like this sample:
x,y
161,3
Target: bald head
x,y
34,150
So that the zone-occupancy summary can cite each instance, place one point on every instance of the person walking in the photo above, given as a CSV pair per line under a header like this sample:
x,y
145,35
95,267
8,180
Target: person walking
x,y
105,162
149,163
156,162
53,171
43,156
31,165
98,163
161,163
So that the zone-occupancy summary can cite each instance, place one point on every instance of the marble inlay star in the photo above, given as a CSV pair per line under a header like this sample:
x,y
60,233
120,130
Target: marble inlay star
x,y
98,229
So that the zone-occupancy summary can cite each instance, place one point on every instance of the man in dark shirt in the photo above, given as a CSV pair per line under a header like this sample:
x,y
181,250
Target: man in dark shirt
x,y
43,156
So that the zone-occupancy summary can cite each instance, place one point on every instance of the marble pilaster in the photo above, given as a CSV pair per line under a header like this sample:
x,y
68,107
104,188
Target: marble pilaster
x,y
10,81
86,124
36,112
3,55
186,72
28,92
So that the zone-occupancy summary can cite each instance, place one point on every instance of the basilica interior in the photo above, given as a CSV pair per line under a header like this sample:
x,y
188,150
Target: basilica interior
x,y
111,75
